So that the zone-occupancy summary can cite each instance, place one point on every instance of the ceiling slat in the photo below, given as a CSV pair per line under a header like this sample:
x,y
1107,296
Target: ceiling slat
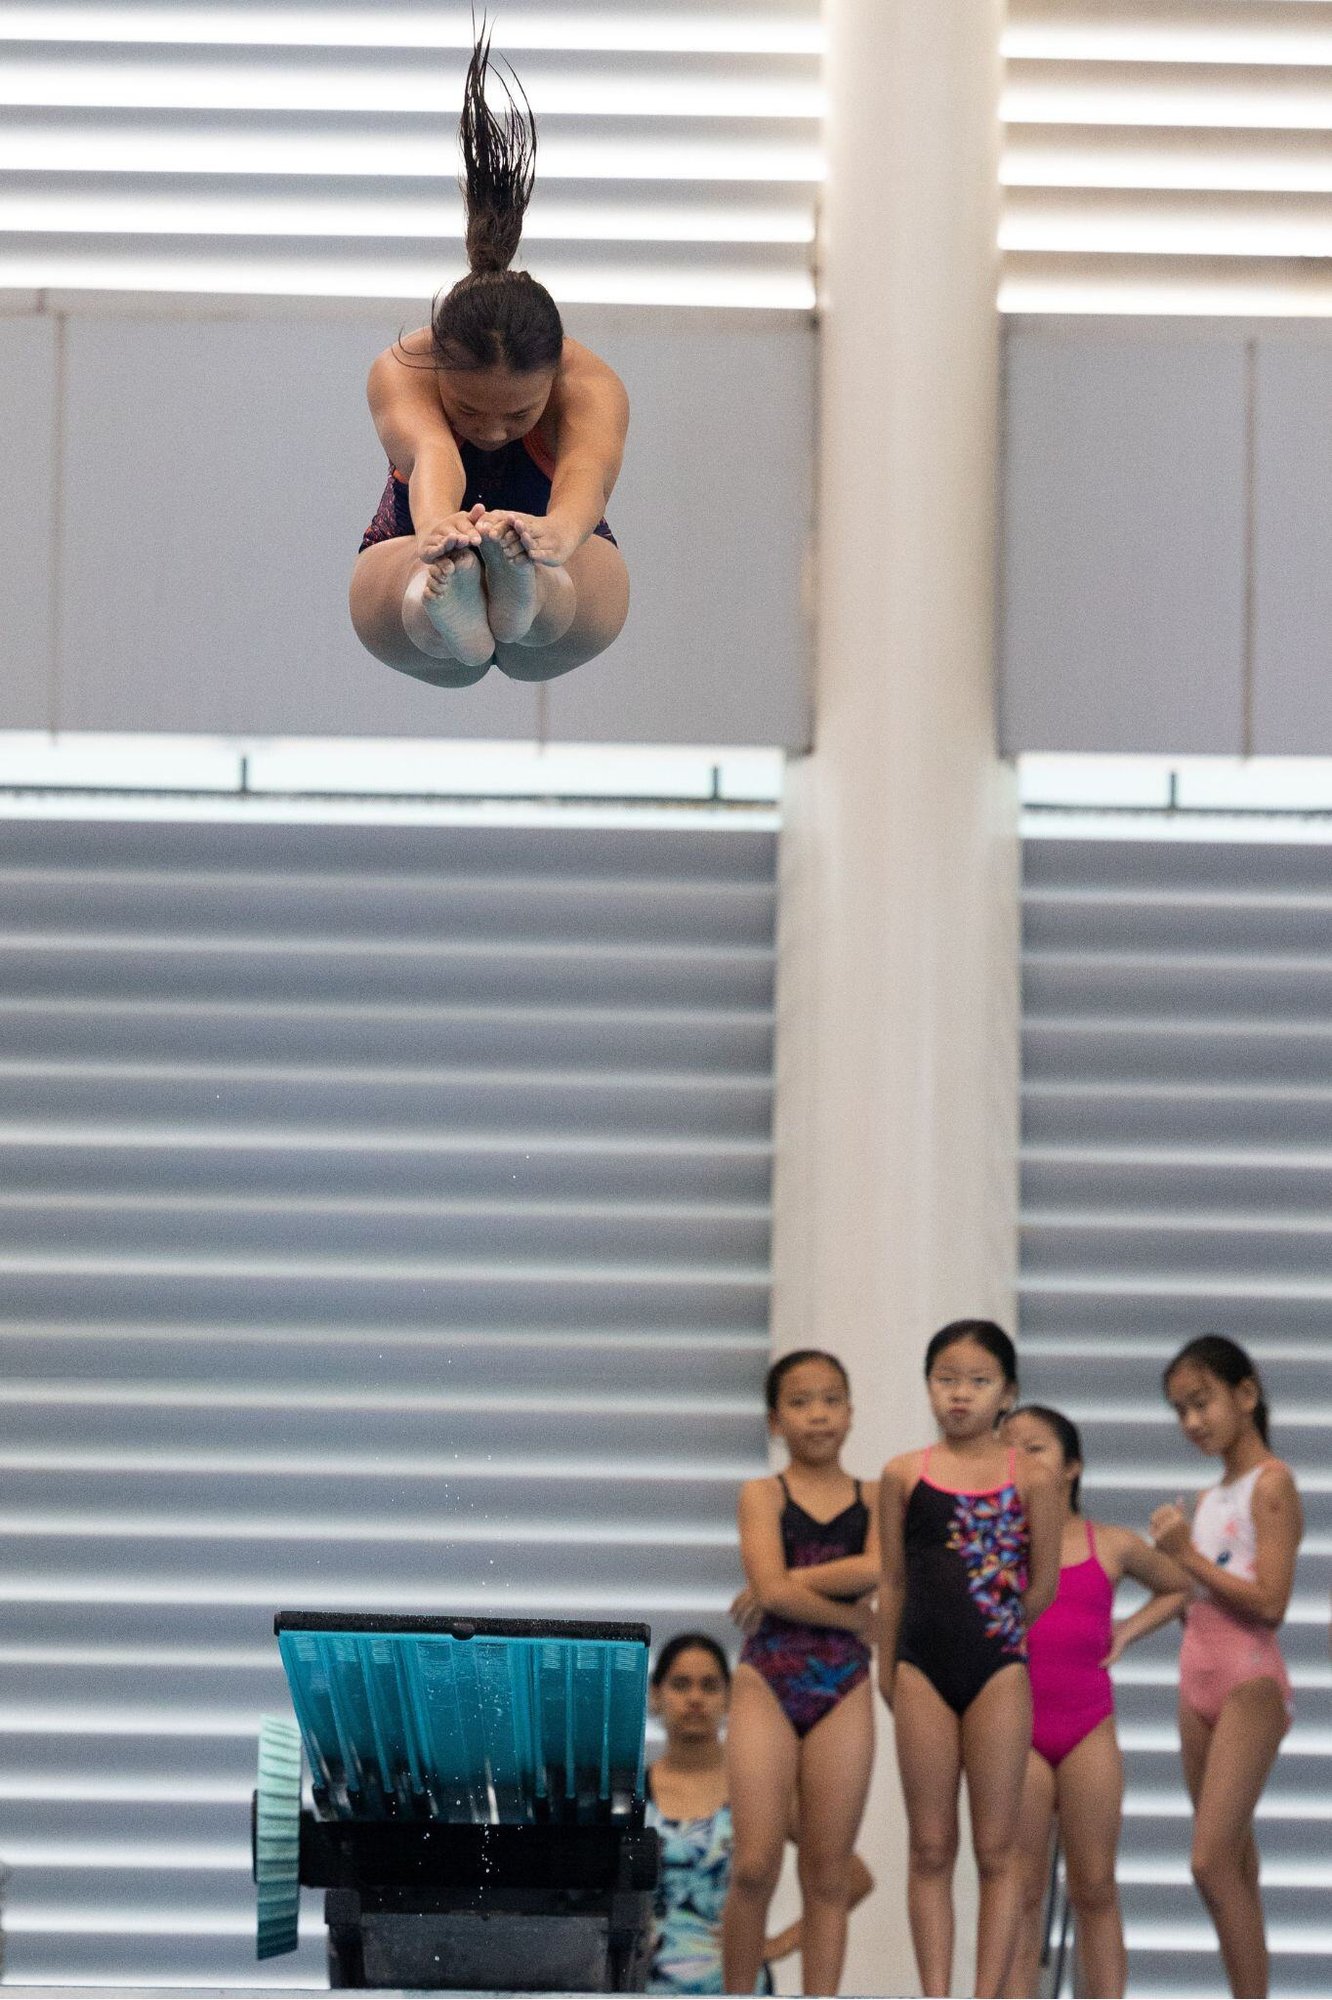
x,y
1168,156
312,148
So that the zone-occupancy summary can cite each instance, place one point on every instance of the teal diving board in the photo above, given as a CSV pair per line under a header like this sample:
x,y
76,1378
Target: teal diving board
x,y
478,1800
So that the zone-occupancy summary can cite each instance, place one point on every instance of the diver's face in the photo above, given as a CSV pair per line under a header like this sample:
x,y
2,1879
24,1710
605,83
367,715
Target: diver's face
x,y
490,407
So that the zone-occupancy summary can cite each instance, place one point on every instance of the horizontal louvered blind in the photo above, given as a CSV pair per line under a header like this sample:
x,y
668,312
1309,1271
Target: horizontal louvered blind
x,y
1168,156
1177,1178
1160,155
384,1225
232,146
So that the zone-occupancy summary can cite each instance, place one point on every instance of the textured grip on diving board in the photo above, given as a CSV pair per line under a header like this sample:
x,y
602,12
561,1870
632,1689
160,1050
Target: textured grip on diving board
x,y
277,1837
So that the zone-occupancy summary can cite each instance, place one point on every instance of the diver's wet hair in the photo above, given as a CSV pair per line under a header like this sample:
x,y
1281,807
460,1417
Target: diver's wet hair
x,y
496,317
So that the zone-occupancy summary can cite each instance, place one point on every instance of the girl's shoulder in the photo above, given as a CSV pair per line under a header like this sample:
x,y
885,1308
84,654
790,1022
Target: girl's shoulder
x,y
1275,1479
769,1487
410,355
579,363
904,1470
1112,1544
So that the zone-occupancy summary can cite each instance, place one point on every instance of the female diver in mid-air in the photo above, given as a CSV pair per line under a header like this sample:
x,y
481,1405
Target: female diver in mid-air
x,y
490,546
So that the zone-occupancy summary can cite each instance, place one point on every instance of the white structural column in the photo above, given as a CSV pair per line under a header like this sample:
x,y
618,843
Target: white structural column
x,y
897,1063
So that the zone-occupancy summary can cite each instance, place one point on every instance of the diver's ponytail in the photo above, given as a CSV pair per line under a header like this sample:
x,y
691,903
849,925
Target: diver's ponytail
x,y
496,317
499,163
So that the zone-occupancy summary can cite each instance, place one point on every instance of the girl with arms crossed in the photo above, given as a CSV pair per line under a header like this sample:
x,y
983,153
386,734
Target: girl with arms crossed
x,y
1075,1774
490,546
1234,1690
970,1536
688,1806
802,1719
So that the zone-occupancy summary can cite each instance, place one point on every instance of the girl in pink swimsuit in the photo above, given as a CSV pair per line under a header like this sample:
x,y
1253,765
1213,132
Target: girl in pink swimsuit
x,y
1234,1692
1075,1775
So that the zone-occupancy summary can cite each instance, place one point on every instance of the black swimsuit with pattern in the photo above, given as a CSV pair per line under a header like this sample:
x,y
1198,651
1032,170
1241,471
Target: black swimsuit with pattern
x,y
966,1570
810,1668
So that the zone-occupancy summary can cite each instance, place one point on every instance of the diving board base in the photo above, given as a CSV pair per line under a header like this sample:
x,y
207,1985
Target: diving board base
x,y
484,1951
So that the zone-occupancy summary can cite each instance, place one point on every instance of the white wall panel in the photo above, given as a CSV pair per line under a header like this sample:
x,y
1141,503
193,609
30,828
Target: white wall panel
x,y
715,512
220,469
1124,541
219,475
1292,692
28,484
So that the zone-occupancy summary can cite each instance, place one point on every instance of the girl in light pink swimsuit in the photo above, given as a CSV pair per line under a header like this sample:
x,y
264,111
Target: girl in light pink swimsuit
x,y
1075,1776
1234,1690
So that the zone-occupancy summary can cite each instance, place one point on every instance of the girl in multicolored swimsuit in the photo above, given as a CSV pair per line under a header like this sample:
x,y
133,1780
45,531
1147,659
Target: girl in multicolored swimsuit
x,y
802,1719
1075,1774
504,438
688,1806
1234,1691
970,1534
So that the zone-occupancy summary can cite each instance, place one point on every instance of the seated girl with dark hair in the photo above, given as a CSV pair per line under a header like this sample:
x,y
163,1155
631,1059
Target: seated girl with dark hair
x,y
688,1804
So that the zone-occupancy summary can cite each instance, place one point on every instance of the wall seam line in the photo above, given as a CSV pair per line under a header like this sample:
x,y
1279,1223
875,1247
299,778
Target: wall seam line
x,y
59,449
1250,542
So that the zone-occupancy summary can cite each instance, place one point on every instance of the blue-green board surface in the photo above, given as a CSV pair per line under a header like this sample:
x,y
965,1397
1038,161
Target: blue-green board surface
x,y
481,1728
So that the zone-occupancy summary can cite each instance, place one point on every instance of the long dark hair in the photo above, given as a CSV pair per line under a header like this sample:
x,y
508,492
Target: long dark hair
x,y
1067,1435
1227,1360
496,317
685,1642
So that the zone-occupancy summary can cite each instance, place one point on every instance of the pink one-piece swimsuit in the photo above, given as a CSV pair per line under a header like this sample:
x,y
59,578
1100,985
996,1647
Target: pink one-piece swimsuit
x,y
1071,1692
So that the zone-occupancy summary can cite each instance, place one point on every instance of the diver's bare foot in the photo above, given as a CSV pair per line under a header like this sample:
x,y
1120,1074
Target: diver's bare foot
x,y
513,583
449,597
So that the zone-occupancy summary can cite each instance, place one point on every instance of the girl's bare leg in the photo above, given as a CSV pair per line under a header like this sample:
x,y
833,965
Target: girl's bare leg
x,y
929,1756
582,608
1230,1770
762,1760
835,1762
1035,1837
430,623
1091,1798
996,1740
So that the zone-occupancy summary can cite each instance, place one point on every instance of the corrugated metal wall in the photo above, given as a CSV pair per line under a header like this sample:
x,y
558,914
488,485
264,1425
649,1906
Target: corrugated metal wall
x,y
1177,1178
1167,156
1160,155
228,146
383,1223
